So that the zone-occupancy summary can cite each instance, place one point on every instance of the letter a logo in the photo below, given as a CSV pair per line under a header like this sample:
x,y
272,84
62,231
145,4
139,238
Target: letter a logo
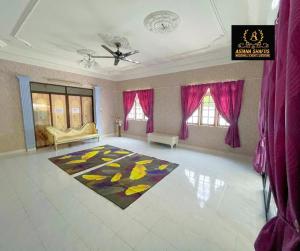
x,y
254,36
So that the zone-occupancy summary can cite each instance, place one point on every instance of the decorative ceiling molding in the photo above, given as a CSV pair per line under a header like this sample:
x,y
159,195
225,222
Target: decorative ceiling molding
x,y
162,21
218,16
218,57
50,65
24,17
189,63
182,56
2,44
161,71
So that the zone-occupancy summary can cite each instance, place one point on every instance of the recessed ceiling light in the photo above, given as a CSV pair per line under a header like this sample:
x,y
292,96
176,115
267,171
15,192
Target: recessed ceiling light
x,y
163,21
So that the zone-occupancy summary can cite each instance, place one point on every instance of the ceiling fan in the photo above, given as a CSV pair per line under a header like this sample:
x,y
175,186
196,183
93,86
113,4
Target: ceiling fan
x,y
117,55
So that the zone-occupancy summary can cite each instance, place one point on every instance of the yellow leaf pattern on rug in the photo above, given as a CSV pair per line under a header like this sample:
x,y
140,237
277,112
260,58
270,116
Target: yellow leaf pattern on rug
x,y
136,189
89,155
144,162
107,159
93,177
121,152
116,177
99,148
76,161
66,157
107,152
138,172
162,167
114,165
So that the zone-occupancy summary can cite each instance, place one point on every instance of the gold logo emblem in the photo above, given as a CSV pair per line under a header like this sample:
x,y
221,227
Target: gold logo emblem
x,y
252,42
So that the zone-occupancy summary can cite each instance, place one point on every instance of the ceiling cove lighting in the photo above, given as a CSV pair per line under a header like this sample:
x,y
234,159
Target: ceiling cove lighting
x,y
162,21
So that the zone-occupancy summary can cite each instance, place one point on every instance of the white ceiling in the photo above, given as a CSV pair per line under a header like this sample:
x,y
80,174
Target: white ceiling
x,y
56,29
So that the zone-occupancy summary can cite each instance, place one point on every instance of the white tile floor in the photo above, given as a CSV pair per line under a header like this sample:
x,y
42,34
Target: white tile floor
x,y
208,203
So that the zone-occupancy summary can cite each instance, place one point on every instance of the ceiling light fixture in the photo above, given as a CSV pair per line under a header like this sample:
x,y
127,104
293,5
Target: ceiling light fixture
x,y
87,61
163,21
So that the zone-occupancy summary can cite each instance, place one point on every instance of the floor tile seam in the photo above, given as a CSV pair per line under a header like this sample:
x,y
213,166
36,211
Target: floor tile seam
x,y
99,166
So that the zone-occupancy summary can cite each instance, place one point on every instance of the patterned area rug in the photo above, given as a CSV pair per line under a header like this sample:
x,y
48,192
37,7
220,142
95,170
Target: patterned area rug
x,y
79,161
124,181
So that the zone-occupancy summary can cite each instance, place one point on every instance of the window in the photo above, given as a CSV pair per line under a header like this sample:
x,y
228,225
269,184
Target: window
x,y
207,113
136,112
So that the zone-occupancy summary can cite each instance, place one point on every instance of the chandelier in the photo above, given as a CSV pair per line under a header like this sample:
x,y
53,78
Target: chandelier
x,y
87,61
163,21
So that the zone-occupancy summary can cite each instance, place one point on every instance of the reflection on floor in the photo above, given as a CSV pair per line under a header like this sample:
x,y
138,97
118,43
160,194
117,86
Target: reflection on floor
x,y
203,185
210,202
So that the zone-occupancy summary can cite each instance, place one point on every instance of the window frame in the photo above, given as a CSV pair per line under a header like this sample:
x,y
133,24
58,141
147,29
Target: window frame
x,y
134,108
217,115
42,88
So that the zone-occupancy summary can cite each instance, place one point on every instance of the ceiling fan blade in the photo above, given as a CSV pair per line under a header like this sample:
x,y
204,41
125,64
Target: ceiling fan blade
x,y
108,49
116,61
102,57
130,53
129,60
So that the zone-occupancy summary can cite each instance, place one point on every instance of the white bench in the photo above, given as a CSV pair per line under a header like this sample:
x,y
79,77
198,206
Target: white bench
x,y
163,138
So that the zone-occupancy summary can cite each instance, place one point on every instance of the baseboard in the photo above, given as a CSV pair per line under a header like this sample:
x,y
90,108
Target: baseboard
x,y
13,152
143,138
107,135
197,148
213,151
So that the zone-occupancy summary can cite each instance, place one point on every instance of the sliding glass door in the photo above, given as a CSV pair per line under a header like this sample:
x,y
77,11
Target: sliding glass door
x,y
42,117
75,111
59,106
87,109
59,111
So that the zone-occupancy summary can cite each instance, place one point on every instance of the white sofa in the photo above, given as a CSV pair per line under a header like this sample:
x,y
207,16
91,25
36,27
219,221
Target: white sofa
x,y
168,139
88,131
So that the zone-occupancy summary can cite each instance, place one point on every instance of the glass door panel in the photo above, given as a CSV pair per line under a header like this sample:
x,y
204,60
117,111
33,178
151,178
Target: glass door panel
x,y
59,113
42,117
87,109
75,111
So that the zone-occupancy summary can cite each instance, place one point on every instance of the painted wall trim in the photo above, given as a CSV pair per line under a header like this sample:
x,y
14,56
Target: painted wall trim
x,y
97,108
26,105
15,152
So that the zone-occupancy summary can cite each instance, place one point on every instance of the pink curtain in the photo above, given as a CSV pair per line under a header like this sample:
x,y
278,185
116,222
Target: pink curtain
x,y
259,160
228,98
191,96
282,233
146,98
128,101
